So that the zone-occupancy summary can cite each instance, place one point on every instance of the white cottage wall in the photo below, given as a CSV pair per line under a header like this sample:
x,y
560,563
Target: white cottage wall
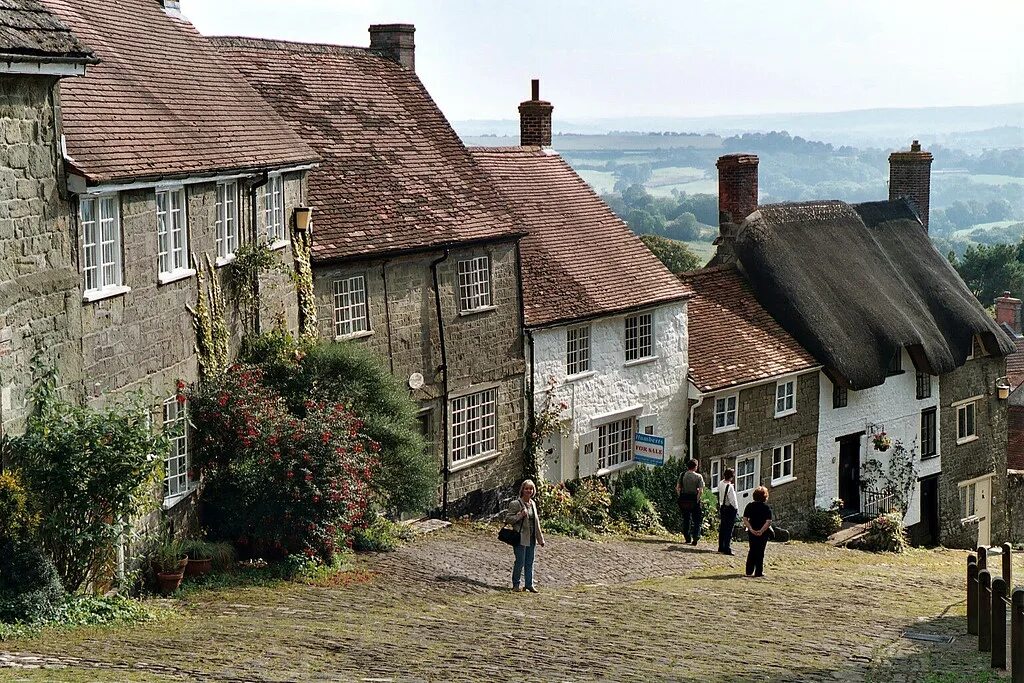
x,y
893,406
613,387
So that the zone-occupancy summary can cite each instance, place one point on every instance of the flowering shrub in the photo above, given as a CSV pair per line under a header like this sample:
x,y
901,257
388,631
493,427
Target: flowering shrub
x,y
886,535
579,504
881,442
275,480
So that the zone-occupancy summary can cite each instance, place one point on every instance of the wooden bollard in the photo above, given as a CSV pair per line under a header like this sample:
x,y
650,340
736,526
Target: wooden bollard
x,y
998,623
972,595
984,611
1017,635
982,557
1008,564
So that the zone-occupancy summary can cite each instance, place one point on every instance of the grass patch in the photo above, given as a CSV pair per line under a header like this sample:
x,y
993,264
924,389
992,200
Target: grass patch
x,y
85,610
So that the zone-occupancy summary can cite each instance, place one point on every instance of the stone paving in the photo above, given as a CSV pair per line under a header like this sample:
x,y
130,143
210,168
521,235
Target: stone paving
x,y
616,610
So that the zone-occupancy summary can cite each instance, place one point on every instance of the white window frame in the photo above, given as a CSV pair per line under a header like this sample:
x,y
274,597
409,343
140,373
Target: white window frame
x,y
785,397
227,221
351,307
273,211
716,473
102,246
615,439
172,234
475,285
969,409
473,434
968,501
639,337
178,459
782,456
577,351
754,474
726,412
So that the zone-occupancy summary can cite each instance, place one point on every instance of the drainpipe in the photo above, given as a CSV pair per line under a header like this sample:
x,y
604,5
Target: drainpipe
x,y
446,470
253,213
387,314
531,382
693,409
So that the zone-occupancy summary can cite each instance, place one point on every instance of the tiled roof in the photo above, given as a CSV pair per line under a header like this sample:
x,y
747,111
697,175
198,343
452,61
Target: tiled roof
x,y
733,339
1015,364
162,102
395,177
579,260
29,30
1015,444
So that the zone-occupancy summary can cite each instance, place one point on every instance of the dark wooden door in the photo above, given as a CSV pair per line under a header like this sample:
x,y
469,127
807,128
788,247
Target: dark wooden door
x,y
849,472
930,509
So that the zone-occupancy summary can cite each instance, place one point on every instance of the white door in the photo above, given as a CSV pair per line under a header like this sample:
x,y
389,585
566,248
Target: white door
x,y
983,509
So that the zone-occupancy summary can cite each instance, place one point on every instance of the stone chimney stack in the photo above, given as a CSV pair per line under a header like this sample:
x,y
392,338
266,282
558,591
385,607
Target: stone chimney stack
x,y
395,42
910,176
1008,311
535,119
737,189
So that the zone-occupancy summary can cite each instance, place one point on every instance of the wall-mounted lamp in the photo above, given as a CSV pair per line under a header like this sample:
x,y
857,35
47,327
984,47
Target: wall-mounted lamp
x,y
1002,388
303,217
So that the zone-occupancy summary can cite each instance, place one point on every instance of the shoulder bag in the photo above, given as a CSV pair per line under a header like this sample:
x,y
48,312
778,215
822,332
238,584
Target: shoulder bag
x,y
507,534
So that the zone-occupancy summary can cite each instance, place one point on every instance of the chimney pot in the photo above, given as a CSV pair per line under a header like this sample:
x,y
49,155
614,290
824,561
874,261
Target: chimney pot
x,y
395,42
535,119
910,177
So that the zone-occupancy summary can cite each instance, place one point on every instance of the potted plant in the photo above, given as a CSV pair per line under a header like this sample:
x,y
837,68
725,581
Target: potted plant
x,y
200,557
169,562
881,441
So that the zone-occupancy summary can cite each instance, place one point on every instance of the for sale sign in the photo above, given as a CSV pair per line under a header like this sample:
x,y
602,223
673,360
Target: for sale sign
x,y
649,449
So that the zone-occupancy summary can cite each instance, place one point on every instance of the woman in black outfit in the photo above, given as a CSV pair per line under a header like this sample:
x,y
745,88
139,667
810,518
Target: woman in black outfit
x,y
757,517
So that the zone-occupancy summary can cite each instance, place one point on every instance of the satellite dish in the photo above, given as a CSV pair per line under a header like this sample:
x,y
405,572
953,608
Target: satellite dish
x,y
415,381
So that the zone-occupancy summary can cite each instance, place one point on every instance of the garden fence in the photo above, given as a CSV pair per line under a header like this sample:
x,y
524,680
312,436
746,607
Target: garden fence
x,y
989,596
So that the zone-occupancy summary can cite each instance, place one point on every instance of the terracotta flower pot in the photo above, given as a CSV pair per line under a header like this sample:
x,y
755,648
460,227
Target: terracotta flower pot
x,y
169,581
198,567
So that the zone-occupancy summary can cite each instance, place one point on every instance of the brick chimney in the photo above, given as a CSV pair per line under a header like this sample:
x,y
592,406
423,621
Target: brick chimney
x,y
395,42
910,176
1008,311
535,119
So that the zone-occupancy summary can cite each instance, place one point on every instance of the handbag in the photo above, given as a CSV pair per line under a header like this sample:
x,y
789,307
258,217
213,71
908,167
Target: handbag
x,y
687,501
507,534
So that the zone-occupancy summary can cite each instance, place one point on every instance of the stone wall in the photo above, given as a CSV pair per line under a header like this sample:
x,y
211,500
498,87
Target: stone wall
x,y
39,285
482,348
1015,496
759,432
985,455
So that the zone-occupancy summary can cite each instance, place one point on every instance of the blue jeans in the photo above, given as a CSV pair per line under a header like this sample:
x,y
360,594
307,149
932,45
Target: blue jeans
x,y
524,561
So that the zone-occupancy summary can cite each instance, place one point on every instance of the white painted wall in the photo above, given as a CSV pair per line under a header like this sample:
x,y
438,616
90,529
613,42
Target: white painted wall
x,y
893,405
657,387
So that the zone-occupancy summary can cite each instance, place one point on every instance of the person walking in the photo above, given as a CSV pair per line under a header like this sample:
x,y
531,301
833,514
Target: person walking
x,y
728,509
688,491
522,515
757,518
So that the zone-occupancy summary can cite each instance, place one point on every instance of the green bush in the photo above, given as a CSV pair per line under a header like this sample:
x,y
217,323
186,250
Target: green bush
x,y
886,534
82,610
659,485
566,527
382,535
16,522
591,501
30,589
634,509
711,521
822,523
574,507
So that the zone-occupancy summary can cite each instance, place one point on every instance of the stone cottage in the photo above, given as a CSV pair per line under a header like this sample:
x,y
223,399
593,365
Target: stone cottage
x,y
152,175
605,321
1008,316
414,252
906,350
753,393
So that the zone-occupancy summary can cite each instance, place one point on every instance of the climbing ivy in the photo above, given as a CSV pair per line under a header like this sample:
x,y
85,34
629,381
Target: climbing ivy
x,y
546,422
251,259
212,334
898,479
302,247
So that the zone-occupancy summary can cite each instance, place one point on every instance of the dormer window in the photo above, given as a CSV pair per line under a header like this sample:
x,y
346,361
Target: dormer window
x,y
895,366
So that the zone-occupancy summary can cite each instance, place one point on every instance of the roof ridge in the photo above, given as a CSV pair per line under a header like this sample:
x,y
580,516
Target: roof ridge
x,y
292,45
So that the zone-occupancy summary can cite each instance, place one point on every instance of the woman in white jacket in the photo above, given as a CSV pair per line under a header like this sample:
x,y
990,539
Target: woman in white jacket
x,y
522,515
728,509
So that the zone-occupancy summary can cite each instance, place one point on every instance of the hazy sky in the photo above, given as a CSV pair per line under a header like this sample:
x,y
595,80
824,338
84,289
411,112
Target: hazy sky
x,y
599,58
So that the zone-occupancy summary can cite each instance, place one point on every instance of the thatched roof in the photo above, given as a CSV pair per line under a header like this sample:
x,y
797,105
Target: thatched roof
x,y
854,283
30,31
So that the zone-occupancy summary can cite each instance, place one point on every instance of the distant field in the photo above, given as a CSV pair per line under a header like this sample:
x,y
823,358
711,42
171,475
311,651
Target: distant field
x,y
984,179
700,186
623,143
705,250
603,182
674,175
965,233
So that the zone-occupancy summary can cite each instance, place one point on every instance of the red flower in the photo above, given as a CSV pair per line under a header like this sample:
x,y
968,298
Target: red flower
x,y
181,398
290,474
181,385
309,477
222,400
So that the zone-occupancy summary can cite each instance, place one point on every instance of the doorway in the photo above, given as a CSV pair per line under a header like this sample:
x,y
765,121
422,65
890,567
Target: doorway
x,y
930,509
976,506
849,472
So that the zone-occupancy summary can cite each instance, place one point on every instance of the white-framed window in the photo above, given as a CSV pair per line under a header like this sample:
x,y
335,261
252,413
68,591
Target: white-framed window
x,y
577,350
716,474
639,336
273,210
172,231
176,464
474,425
746,473
968,501
966,428
474,284
725,413
785,398
615,443
227,220
782,464
351,315
101,241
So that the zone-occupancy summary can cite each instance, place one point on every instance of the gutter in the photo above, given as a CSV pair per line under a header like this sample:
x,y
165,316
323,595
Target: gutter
x,y
693,409
445,449
427,248
531,381
647,306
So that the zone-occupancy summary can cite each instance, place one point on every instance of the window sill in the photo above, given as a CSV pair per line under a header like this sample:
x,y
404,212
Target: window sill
x,y
171,501
476,311
278,244
973,519
784,480
930,456
224,260
723,430
785,413
615,468
175,275
354,335
579,376
640,361
967,439
475,460
105,293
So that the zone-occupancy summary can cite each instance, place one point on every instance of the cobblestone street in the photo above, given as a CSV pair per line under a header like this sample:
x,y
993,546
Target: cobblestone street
x,y
619,609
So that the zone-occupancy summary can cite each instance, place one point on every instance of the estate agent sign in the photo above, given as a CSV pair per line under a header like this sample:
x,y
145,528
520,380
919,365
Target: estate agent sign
x,y
649,449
